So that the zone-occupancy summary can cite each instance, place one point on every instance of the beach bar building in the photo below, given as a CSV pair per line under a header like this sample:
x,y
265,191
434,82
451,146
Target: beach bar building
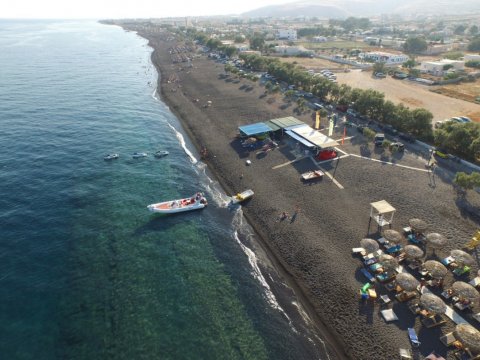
x,y
257,129
310,138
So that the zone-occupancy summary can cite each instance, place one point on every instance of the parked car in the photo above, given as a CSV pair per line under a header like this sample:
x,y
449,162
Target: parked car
x,y
389,129
442,154
407,137
380,75
397,146
326,154
379,139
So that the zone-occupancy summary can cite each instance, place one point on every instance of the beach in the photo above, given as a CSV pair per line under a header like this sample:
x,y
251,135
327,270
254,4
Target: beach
x,y
314,248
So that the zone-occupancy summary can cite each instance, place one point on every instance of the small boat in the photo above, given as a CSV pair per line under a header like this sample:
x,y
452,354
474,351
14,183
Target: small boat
x,y
161,153
312,175
110,157
247,194
196,202
137,155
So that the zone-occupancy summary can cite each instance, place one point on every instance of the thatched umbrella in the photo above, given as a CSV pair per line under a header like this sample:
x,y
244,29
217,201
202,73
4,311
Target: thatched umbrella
x,y
462,258
418,225
413,252
436,240
369,245
465,291
389,263
433,303
436,269
406,281
468,336
392,236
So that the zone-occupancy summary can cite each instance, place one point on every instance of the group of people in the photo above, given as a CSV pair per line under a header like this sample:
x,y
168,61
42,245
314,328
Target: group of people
x,y
285,215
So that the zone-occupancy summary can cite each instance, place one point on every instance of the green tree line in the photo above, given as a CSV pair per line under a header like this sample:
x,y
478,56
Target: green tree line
x,y
369,103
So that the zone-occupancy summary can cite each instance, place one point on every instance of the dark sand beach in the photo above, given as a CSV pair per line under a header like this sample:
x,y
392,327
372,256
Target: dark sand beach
x,y
315,248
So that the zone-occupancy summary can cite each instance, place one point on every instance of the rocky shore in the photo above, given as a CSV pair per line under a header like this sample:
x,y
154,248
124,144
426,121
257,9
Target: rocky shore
x,y
314,248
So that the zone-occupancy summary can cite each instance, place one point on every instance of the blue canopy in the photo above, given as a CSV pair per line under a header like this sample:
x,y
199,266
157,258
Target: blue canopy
x,y
254,129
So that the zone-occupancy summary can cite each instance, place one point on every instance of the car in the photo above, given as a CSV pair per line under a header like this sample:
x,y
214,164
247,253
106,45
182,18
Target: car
x,y
407,137
326,154
397,146
442,154
379,139
389,129
352,112
380,75
465,119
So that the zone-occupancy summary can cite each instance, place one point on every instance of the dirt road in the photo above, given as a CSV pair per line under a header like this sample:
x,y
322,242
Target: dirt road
x,y
412,95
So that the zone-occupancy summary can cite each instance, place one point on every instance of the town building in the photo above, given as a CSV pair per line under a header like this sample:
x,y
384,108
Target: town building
x,y
438,68
387,58
471,57
292,50
286,34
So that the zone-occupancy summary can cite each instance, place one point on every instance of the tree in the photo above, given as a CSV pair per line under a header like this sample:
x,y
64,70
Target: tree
x,y
474,45
379,67
473,30
239,39
409,64
460,30
229,50
467,181
257,42
421,124
369,134
415,45
414,73
447,66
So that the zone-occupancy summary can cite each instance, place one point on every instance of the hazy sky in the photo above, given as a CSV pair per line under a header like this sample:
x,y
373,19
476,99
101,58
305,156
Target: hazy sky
x,y
125,9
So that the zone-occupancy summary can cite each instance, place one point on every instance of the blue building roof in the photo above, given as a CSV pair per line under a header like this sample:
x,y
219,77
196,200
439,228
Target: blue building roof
x,y
254,129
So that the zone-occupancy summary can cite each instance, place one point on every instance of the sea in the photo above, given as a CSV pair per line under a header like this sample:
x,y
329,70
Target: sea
x,y
86,272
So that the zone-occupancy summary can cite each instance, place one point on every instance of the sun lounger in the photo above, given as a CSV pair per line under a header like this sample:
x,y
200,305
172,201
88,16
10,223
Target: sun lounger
x,y
475,282
405,354
447,261
434,356
385,299
413,239
477,317
413,337
389,315
385,277
448,339
407,229
367,274
393,249
433,321
359,251
459,271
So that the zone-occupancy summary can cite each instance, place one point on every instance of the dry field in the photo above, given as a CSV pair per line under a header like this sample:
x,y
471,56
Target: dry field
x,y
412,95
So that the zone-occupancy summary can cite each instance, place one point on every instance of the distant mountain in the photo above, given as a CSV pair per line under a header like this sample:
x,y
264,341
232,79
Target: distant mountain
x,y
345,8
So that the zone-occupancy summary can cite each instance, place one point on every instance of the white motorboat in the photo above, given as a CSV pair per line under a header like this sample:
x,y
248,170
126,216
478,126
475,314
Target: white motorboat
x,y
161,153
247,194
111,157
196,202
137,155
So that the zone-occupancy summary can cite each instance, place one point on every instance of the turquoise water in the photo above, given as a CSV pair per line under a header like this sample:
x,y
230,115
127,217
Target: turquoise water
x,y
85,271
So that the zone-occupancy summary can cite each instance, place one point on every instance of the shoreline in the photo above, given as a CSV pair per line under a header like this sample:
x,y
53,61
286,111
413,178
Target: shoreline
x,y
313,254
333,342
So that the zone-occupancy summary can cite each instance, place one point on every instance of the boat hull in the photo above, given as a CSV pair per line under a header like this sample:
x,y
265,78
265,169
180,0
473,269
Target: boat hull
x,y
247,194
180,205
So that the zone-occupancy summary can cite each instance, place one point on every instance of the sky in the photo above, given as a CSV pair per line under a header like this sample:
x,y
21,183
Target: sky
x,y
113,9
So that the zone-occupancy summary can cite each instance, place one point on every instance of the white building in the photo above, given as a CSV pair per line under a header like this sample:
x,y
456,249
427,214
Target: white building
x,y
472,57
437,67
286,34
242,47
292,50
319,39
387,58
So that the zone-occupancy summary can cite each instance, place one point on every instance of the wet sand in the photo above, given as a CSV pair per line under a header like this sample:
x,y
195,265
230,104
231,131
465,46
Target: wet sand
x,y
314,249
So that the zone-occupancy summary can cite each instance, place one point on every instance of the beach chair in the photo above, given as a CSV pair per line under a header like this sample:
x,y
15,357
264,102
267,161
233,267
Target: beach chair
x,y
367,274
405,354
412,334
389,315
459,271
413,239
447,339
